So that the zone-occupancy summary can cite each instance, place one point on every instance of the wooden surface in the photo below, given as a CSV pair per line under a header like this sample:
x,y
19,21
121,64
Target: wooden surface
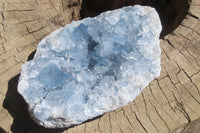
x,y
170,103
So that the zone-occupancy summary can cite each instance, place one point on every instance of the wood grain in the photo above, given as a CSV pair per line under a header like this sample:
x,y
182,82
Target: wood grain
x,y
171,103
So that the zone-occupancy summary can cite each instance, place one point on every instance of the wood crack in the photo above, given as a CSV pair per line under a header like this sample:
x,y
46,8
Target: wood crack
x,y
140,122
27,10
145,105
165,96
192,82
160,117
110,121
192,15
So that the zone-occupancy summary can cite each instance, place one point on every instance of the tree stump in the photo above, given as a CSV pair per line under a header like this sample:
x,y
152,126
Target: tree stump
x,y
171,103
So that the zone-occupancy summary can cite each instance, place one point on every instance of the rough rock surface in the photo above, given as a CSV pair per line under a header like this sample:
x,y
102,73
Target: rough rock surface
x,y
92,66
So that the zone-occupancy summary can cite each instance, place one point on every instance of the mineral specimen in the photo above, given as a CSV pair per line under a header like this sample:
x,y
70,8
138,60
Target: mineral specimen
x,y
92,66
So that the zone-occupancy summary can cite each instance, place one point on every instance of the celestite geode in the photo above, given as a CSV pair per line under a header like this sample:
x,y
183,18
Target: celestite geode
x,y
92,66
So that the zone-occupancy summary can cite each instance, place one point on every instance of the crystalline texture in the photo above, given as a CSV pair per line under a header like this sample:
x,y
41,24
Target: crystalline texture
x,y
92,66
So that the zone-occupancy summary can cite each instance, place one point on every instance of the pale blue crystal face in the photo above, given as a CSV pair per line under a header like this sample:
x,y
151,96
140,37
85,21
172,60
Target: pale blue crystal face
x,y
92,66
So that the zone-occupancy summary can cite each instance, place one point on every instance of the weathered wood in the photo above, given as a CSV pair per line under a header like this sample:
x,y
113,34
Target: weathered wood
x,y
170,103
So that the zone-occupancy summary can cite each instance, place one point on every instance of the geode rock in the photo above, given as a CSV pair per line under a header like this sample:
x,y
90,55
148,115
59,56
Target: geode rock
x,y
92,66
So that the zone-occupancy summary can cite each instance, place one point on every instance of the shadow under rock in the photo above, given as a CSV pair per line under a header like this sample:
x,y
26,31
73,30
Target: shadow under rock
x,y
18,109
2,130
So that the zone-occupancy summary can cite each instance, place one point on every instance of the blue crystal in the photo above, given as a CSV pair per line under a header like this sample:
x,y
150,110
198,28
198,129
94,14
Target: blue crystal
x,y
92,66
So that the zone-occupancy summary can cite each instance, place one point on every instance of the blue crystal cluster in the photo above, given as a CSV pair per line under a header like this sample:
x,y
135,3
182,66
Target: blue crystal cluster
x,y
92,66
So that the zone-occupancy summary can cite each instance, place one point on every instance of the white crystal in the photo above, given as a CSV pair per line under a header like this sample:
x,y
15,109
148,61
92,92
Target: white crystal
x,y
92,66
